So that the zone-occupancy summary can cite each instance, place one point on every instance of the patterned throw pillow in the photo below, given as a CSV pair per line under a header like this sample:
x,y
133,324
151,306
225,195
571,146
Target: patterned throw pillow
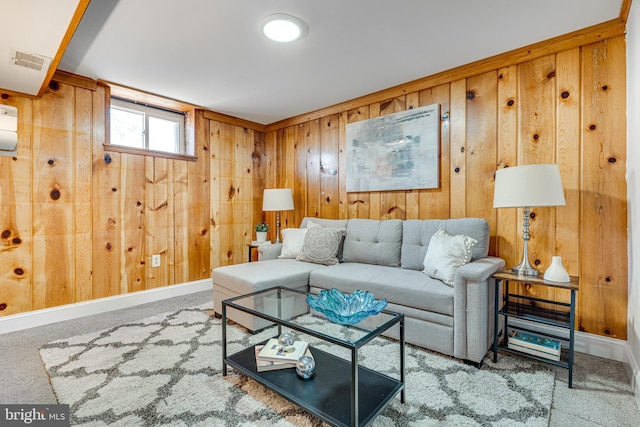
x,y
446,254
321,246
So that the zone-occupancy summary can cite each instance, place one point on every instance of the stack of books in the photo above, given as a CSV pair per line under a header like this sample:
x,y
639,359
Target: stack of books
x,y
535,345
270,357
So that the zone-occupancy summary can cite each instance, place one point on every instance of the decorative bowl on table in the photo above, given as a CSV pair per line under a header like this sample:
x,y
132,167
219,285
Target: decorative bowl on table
x,y
346,309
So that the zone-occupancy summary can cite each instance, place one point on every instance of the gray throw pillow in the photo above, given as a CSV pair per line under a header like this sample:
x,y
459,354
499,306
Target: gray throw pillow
x,y
321,246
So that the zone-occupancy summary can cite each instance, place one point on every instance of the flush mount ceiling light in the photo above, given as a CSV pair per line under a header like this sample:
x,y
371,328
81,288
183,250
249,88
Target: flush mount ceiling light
x,y
283,28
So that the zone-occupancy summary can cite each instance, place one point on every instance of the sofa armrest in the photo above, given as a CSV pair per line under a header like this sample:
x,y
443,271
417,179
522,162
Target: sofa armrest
x,y
266,252
479,270
473,306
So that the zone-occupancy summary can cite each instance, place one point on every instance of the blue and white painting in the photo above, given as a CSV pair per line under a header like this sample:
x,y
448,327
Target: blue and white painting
x,y
398,151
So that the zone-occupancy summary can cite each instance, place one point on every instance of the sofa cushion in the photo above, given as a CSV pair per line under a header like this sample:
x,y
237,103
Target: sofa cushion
x,y
373,241
446,254
256,276
408,288
333,223
417,235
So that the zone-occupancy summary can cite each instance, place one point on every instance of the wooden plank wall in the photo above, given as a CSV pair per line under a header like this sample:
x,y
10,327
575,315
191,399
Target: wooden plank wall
x,y
566,107
79,223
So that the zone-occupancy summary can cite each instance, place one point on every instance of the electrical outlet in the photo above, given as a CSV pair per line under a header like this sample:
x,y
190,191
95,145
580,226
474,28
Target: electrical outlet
x,y
155,260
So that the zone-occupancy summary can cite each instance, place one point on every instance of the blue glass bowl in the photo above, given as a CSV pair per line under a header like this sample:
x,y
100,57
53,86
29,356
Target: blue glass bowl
x,y
346,309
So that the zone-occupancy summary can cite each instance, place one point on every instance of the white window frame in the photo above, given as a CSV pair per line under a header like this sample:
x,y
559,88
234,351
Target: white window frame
x,y
157,112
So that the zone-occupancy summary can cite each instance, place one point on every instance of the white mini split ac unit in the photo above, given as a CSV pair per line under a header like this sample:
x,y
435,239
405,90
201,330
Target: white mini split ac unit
x,y
8,130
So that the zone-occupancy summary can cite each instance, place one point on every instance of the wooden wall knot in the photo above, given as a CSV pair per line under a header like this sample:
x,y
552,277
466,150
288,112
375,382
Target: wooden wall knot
x,y
6,234
54,194
3,306
232,192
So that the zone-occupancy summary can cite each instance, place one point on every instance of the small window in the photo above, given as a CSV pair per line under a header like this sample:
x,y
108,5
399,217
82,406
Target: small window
x,y
144,127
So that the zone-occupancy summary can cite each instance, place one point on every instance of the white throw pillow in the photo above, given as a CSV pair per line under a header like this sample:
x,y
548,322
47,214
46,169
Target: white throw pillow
x,y
292,241
446,254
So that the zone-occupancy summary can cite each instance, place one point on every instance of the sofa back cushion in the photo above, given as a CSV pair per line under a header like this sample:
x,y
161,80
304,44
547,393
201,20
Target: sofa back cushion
x,y
417,235
373,241
324,223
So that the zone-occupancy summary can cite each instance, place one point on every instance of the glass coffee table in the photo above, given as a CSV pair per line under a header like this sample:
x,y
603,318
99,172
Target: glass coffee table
x,y
343,393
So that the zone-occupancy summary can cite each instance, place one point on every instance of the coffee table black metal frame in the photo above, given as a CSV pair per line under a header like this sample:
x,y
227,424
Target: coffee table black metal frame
x,y
343,393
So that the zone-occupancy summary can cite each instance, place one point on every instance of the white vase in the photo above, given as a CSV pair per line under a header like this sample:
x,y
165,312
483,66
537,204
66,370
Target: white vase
x,y
261,236
556,272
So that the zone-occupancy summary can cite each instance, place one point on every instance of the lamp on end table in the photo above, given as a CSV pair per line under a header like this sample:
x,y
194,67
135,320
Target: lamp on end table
x,y
277,199
526,187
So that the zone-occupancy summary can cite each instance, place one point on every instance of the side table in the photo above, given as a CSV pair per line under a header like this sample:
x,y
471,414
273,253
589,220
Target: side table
x,y
251,248
538,311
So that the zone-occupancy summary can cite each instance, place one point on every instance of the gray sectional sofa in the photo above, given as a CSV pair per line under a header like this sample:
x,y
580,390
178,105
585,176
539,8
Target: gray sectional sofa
x,y
387,258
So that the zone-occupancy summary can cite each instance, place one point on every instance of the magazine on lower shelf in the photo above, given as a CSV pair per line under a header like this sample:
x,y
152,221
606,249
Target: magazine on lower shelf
x,y
263,365
513,345
535,342
272,350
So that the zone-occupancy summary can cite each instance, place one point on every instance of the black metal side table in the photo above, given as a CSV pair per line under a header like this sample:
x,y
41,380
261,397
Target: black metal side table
x,y
536,310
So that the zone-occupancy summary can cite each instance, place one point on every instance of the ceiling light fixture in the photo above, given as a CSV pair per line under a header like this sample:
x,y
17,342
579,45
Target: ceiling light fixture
x,y
283,28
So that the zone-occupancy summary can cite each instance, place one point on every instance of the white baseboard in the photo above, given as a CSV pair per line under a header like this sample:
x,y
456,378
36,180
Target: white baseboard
x,y
636,388
21,321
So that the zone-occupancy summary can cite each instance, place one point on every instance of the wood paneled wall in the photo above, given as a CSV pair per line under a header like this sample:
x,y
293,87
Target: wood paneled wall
x,y
566,107
79,223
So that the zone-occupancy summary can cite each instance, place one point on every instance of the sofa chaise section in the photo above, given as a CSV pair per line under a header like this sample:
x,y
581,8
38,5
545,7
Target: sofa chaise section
x,y
239,279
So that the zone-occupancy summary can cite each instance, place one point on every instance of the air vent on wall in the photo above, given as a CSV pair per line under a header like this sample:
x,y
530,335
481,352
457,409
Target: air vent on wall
x,y
30,60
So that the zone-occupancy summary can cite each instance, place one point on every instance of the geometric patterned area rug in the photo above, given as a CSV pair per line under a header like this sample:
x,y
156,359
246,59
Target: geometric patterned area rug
x,y
165,370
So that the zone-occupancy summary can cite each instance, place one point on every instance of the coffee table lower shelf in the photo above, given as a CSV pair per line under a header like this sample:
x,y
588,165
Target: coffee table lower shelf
x,y
328,395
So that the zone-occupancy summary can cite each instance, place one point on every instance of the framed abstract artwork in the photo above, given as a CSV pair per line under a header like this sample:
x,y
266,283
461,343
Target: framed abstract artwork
x,y
399,151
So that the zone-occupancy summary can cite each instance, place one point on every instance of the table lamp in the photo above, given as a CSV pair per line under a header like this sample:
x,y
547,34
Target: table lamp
x,y
526,187
277,199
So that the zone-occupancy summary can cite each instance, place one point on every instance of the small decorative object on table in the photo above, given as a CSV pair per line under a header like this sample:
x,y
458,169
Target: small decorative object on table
x,y
556,271
261,231
306,367
346,309
286,341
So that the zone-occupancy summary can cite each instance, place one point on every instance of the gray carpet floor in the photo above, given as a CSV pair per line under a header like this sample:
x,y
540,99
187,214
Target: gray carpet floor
x,y
601,396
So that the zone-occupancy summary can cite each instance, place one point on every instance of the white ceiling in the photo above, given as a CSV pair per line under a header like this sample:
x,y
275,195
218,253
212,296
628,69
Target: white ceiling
x,y
211,53
34,27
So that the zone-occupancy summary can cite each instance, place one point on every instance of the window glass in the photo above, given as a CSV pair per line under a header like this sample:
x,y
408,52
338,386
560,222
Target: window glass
x,y
163,135
127,128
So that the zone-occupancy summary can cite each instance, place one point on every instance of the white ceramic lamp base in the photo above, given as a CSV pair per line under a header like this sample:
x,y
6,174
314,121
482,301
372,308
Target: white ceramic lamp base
x,y
556,272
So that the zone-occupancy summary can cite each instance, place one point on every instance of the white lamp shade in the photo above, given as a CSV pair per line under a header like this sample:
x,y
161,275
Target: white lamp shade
x,y
528,186
277,199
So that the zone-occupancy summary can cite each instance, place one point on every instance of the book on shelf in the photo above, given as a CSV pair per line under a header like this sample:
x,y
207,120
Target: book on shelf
x,y
535,342
272,350
513,345
263,365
